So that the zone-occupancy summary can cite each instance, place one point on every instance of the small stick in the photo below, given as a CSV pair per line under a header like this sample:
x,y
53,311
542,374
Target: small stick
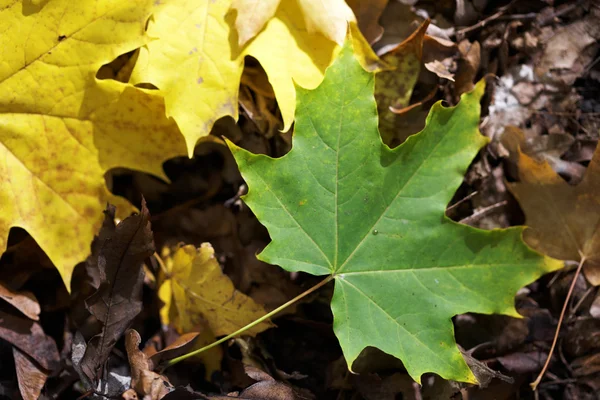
x,y
478,214
537,381
467,197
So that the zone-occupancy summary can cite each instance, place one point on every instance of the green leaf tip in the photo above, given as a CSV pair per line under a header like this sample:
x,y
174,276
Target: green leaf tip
x,y
343,203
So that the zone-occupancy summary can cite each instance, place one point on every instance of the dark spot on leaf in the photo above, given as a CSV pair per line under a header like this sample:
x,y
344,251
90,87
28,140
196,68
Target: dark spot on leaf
x,y
61,37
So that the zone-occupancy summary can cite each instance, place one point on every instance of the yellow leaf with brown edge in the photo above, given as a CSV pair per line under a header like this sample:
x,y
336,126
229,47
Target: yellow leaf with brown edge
x,y
394,84
196,60
61,129
563,220
195,291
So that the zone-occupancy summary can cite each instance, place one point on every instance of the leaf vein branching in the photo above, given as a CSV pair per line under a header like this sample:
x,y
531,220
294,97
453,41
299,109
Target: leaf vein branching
x,y
408,181
295,220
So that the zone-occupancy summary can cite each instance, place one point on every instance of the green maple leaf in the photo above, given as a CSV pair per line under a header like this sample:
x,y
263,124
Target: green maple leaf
x,y
342,203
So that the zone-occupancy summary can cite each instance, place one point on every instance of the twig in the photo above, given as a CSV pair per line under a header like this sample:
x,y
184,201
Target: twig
x,y
480,213
580,302
461,32
467,197
537,381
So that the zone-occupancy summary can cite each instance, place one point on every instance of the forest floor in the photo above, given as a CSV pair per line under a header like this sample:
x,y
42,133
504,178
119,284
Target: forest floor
x,y
540,59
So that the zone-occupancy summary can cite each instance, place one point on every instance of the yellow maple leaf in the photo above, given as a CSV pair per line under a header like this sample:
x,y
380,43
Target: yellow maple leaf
x,y
252,15
330,18
197,63
195,292
61,129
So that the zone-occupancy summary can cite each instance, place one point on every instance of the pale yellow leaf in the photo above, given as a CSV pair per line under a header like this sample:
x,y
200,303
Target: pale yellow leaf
x,y
252,15
328,17
195,292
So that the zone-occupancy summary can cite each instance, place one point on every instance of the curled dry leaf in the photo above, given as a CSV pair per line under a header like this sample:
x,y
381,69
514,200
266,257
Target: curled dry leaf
x,y
367,13
267,388
31,377
118,299
468,65
563,220
144,381
182,345
23,301
394,85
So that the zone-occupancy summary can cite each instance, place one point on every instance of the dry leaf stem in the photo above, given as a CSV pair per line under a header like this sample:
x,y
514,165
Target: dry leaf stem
x,y
250,325
537,381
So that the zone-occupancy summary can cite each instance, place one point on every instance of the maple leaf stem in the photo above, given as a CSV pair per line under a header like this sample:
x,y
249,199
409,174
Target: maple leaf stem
x,y
250,325
537,381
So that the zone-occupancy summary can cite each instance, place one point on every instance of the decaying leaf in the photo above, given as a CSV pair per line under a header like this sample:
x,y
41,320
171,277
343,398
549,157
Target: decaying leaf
x,y
267,387
195,291
144,381
31,377
196,61
373,218
548,148
118,299
569,51
51,100
23,301
468,66
394,86
563,220
29,338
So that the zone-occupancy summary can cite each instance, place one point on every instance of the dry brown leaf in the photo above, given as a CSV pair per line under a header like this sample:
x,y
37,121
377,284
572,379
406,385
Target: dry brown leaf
x,y
118,299
367,13
179,347
563,220
29,337
144,381
31,378
23,301
541,148
468,66
569,51
439,55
